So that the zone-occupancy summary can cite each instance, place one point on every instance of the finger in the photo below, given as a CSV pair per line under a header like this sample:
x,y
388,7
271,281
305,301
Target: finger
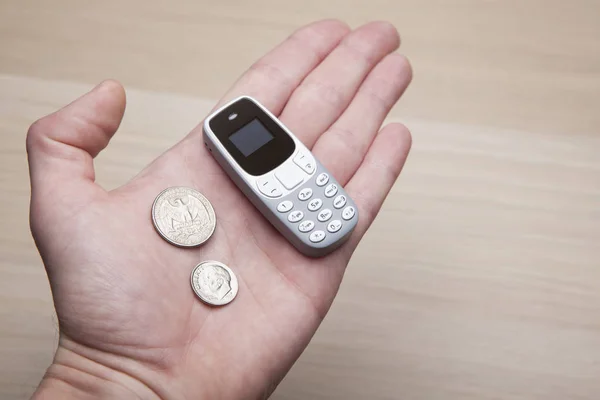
x,y
377,174
327,91
272,79
62,145
344,145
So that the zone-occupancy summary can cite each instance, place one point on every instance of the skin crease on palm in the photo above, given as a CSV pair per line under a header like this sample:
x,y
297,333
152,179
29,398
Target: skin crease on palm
x,y
130,325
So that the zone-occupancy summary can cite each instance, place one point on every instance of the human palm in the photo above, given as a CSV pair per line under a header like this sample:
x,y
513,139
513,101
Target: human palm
x,y
126,310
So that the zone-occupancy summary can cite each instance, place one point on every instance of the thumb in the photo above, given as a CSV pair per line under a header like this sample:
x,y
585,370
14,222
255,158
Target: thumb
x,y
62,145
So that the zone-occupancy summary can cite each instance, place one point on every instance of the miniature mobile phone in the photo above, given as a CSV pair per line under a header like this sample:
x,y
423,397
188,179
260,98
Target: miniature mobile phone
x,y
280,176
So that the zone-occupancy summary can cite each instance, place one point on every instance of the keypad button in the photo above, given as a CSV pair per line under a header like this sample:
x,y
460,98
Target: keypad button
x,y
306,226
305,194
324,215
322,179
315,204
331,190
295,216
334,226
305,161
348,213
339,201
317,236
285,206
270,187
289,175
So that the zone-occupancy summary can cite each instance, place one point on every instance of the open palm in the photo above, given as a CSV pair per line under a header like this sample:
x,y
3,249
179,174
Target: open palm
x,y
126,311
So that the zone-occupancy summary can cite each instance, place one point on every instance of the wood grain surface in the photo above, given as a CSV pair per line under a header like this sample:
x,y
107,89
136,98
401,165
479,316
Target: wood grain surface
x,y
481,277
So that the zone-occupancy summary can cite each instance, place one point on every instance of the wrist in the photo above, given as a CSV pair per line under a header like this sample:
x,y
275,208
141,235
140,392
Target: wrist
x,y
74,376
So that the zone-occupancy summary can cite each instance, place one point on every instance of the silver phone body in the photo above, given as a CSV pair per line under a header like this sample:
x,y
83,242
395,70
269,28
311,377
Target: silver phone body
x,y
298,165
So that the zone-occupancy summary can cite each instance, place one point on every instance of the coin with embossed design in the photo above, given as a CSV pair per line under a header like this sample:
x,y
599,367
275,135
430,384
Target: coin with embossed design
x,y
183,216
214,283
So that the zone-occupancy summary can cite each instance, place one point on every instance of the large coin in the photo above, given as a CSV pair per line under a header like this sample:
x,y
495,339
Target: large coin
x,y
214,282
183,216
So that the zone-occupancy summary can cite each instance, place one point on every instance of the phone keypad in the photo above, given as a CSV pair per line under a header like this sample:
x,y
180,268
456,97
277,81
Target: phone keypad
x,y
331,190
323,203
348,213
334,226
306,226
322,179
339,201
317,236
315,204
324,215
285,206
305,194
295,216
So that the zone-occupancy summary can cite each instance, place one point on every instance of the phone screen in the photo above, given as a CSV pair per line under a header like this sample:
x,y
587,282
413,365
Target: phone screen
x,y
251,137
255,140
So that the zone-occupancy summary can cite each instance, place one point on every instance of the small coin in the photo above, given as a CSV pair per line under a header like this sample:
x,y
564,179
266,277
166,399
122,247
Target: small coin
x,y
214,283
183,216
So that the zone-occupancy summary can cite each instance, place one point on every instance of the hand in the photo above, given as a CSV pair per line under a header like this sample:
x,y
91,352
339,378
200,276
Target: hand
x,y
130,325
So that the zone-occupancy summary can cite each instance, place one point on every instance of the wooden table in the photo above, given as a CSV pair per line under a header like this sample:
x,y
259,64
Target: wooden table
x,y
480,279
